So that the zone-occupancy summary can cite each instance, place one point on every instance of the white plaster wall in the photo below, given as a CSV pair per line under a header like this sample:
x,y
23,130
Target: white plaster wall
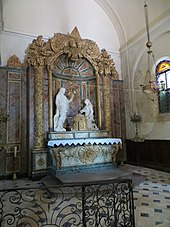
x,y
24,20
154,125
131,15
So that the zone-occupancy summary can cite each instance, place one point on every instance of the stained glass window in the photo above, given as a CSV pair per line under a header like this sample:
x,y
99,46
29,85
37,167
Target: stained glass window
x,y
163,81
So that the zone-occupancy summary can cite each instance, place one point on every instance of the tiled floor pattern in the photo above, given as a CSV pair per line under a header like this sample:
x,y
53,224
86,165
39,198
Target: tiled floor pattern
x,y
151,197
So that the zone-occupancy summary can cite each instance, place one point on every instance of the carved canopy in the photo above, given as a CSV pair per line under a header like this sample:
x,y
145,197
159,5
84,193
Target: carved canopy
x,y
40,52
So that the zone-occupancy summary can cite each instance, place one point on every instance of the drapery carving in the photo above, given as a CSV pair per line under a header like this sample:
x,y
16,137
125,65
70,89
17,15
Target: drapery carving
x,y
41,53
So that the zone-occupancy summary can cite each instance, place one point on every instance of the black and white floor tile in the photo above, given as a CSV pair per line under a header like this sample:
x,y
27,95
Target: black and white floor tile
x,y
151,197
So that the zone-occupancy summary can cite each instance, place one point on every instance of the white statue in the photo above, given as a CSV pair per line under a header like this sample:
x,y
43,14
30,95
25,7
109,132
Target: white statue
x,y
88,110
62,107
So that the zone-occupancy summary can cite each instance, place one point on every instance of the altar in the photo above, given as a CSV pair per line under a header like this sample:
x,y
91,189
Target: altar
x,y
76,103
81,150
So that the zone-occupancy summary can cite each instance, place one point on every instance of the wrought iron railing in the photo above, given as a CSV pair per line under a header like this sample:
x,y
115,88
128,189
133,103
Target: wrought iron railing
x,y
101,204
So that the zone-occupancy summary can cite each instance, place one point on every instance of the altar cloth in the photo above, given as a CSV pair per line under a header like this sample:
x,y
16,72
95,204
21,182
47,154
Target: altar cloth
x,y
91,141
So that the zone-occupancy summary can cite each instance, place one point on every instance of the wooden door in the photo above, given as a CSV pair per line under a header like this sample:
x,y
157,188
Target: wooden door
x,y
13,122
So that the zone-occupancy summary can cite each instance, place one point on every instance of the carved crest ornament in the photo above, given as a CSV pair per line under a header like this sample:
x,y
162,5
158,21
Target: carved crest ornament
x,y
14,62
42,55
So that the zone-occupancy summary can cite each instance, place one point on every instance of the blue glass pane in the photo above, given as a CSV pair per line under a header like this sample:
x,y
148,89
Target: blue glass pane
x,y
168,79
161,80
164,101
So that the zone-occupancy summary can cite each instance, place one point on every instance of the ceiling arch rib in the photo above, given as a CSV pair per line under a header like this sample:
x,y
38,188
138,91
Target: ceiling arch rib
x,y
115,19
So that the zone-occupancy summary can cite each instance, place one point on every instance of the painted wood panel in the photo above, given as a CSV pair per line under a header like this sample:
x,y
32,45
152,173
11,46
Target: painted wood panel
x,y
13,93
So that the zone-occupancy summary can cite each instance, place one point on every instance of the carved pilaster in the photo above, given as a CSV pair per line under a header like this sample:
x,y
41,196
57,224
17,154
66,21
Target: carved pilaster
x,y
50,101
98,100
36,58
106,69
106,103
38,108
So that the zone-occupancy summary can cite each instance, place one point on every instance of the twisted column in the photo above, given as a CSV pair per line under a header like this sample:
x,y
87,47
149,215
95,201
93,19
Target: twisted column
x,y
38,108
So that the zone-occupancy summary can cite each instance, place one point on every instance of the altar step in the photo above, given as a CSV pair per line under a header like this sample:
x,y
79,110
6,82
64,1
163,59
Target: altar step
x,y
90,176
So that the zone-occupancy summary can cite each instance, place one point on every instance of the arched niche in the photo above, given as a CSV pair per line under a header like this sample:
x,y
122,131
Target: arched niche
x,y
76,77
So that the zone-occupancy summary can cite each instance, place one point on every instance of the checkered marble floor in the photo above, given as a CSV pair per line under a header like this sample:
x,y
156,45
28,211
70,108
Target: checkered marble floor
x,y
151,197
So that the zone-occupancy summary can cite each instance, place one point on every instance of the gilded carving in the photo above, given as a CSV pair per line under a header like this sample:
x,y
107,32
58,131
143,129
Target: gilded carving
x,y
40,161
14,62
106,103
41,53
106,66
38,109
36,53
88,154
79,122
83,155
55,152
73,46
106,69
115,151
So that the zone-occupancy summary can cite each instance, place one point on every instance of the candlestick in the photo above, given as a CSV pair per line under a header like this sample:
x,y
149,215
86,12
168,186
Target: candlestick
x,y
15,152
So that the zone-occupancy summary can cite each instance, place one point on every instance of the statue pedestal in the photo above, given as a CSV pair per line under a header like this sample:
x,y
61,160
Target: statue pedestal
x,y
77,135
70,151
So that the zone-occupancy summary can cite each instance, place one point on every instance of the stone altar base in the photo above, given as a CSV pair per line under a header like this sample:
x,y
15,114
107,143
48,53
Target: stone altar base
x,y
81,150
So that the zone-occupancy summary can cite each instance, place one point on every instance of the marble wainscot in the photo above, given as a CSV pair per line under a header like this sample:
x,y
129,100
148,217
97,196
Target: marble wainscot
x,y
80,150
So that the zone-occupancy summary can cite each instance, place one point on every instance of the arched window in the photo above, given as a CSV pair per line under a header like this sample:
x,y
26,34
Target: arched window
x,y
163,81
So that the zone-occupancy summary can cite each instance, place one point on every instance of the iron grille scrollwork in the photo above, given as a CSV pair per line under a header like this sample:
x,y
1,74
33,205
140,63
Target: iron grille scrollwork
x,y
83,205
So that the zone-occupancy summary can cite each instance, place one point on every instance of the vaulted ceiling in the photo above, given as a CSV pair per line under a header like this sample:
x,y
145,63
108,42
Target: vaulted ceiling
x,y
128,15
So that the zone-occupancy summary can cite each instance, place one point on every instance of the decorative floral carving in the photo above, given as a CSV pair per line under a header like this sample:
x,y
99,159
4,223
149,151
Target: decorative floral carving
x,y
45,53
36,52
88,154
106,65
84,155
14,62
56,156
40,161
115,151
73,46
